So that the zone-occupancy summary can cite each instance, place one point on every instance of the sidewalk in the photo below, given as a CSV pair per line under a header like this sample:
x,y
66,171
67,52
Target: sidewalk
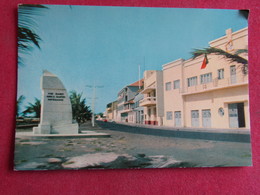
x,y
83,134
230,135
86,131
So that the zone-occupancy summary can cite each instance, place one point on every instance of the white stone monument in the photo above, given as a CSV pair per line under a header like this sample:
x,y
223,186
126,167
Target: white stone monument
x,y
56,110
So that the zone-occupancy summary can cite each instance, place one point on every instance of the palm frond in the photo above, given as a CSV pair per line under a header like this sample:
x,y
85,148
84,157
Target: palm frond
x,y
33,108
241,51
212,50
80,111
18,104
27,36
229,56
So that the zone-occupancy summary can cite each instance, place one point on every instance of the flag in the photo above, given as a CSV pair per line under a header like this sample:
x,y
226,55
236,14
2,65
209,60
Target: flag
x,y
205,62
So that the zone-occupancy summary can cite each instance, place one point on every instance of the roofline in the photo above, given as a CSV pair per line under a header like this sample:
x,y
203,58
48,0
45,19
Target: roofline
x,y
181,60
223,37
130,85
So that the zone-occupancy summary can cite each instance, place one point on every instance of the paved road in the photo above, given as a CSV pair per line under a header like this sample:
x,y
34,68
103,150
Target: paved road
x,y
230,137
38,153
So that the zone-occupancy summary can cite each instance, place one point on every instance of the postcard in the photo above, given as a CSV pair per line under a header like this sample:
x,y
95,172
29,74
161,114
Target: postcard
x,y
103,87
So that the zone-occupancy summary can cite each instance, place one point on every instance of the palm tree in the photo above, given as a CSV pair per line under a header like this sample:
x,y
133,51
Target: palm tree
x,y
34,108
229,56
26,32
80,111
18,105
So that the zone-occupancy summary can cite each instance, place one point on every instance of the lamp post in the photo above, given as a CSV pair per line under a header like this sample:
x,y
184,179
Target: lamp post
x,y
93,101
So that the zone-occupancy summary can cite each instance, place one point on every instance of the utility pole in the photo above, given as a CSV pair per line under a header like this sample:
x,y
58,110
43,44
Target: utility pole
x,y
93,101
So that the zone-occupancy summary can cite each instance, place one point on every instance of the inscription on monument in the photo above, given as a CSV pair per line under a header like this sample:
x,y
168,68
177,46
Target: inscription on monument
x,y
55,96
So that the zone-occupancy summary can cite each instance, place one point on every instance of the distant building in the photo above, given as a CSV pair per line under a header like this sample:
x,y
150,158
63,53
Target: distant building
x,y
125,101
153,101
127,115
213,96
111,111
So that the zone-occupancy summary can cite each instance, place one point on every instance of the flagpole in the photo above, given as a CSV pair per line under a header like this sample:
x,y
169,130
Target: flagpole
x,y
139,70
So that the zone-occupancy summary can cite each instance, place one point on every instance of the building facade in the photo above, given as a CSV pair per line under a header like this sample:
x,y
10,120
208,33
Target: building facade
x,y
125,101
138,110
153,101
215,96
111,111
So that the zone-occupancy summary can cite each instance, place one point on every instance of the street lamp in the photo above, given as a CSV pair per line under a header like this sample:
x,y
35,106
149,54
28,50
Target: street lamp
x,y
93,101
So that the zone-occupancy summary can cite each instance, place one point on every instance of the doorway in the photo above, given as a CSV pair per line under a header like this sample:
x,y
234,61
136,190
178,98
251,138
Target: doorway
x,y
236,115
195,118
177,119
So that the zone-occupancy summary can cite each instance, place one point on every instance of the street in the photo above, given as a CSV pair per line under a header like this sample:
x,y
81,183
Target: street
x,y
124,145
231,137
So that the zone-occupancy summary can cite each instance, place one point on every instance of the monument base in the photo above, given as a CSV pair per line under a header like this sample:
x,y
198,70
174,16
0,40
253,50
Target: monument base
x,y
42,129
66,129
58,129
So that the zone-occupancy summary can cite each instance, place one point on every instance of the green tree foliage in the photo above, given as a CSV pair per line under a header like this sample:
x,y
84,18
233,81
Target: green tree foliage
x,y
231,57
80,111
100,114
18,105
33,108
27,36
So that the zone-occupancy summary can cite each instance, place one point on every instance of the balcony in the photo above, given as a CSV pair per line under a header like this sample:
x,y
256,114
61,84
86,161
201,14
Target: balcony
x,y
216,84
126,110
127,107
148,90
148,101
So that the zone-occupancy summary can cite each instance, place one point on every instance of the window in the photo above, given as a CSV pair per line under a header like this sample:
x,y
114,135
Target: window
x,y
168,86
149,112
233,74
221,74
192,81
121,107
152,94
169,115
176,84
206,78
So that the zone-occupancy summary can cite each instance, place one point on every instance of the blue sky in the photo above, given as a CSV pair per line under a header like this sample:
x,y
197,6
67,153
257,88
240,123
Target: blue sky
x,y
105,45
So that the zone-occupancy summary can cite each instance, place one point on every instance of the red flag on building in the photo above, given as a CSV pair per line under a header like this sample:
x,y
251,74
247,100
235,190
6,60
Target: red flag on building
x,y
205,62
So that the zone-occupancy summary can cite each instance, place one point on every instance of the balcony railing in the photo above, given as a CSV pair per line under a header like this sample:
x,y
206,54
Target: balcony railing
x,y
148,101
127,110
215,84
